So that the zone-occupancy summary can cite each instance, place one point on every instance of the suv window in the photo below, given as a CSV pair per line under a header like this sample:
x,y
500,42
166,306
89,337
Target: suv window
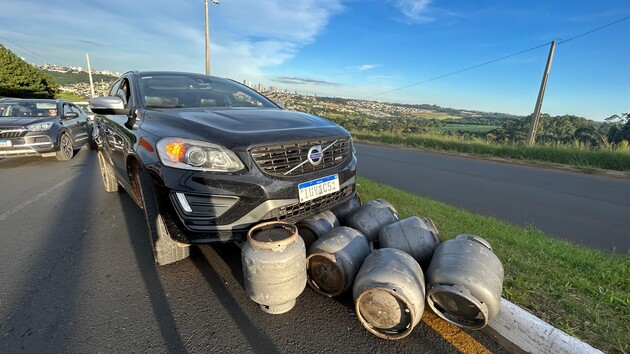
x,y
123,92
66,109
114,89
189,90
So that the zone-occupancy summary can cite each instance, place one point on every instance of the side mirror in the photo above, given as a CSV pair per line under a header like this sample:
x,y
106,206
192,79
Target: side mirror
x,y
108,105
70,115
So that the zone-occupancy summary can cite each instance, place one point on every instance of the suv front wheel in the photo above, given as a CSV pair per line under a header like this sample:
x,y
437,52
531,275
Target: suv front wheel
x,y
165,250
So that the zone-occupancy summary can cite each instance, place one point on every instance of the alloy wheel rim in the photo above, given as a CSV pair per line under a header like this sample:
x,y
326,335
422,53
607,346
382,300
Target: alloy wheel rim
x,y
66,146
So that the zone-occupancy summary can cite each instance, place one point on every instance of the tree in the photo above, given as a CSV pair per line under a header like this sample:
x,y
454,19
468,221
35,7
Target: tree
x,y
619,129
22,80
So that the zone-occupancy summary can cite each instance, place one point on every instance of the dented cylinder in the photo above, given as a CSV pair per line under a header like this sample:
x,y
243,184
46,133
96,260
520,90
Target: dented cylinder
x,y
465,281
371,217
344,210
274,266
333,260
389,293
312,228
415,236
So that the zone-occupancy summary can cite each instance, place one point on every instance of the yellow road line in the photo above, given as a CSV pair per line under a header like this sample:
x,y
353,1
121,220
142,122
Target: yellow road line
x,y
455,335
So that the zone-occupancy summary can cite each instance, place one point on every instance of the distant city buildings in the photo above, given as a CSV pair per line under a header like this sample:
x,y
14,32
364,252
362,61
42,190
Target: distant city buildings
x,y
76,69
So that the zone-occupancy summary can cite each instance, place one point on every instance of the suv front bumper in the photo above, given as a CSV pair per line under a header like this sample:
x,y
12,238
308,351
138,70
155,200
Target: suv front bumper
x,y
201,207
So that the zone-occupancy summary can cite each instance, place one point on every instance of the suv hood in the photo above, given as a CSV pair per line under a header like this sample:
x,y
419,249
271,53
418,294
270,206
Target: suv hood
x,y
240,127
254,120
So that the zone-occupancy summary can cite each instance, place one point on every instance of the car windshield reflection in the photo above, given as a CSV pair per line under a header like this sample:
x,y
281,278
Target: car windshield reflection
x,y
27,109
183,91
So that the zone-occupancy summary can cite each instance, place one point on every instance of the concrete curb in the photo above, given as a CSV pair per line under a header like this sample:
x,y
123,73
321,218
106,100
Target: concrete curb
x,y
519,330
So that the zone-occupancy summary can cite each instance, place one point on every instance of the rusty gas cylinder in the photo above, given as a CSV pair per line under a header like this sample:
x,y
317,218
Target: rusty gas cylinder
x,y
389,293
274,266
371,217
465,281
415,236
334,259
312,228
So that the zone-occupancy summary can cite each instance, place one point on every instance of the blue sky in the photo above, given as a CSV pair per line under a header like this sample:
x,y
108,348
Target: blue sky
x,y
353,48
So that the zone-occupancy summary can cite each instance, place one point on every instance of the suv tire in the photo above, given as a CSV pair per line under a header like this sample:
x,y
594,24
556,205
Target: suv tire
x,y
165,250
109,179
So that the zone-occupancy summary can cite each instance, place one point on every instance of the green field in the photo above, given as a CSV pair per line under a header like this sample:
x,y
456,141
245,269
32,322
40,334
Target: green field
x,y
584,292
434,115
466,128
74,78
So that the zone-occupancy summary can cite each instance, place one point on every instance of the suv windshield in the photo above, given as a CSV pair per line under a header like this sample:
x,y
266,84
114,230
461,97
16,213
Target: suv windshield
x,y
179,91
27,109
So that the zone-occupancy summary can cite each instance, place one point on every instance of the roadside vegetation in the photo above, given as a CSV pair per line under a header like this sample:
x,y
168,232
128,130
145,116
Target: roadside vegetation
x,y
584,292
607,156
22,80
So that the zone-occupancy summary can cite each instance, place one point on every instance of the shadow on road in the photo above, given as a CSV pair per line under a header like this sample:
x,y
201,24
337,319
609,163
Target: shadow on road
x,y
230,254
48,260
142,249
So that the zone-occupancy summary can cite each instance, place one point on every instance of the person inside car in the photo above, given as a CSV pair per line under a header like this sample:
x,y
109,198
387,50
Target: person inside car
x,y
52,112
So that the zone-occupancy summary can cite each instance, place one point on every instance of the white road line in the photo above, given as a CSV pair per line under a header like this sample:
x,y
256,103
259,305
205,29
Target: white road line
x,y
5,215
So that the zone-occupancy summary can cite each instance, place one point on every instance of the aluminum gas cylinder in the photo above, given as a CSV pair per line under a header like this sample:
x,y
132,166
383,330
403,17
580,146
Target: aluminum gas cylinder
x,y
371,217
334,259
415,236
389,293
465,281
274,266
314,227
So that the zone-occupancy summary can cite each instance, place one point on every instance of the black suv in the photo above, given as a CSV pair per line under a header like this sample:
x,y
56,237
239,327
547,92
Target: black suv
x,y
206,158
41,127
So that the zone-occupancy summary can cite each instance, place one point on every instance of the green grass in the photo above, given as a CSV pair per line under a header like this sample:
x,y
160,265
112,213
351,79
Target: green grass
x,y
467,128
434,115
608,158
584,292
71,97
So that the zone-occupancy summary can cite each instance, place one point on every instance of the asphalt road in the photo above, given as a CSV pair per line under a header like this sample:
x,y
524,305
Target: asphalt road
x,y
586,209
77,275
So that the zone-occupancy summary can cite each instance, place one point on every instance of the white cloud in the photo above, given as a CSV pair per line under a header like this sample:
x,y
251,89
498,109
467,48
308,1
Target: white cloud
x,y
364,67
247,36
414,10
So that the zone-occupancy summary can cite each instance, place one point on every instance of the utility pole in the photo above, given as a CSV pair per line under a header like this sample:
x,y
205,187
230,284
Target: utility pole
x,y
208,37
541,94
90,74
207,42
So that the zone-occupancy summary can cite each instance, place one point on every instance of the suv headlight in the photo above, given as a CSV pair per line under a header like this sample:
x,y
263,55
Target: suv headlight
x,y
197,155
39,127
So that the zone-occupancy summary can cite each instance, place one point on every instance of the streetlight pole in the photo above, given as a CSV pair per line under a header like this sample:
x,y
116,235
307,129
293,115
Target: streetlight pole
x,y
208,37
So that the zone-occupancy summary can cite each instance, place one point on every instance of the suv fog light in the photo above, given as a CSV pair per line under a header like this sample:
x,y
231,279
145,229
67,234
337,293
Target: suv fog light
x,y
183,202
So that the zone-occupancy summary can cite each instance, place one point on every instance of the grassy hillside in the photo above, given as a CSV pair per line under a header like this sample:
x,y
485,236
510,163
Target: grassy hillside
x,y
70,78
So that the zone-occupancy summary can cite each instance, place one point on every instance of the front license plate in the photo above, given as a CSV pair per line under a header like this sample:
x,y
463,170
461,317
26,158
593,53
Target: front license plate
x,y
5,143
318,187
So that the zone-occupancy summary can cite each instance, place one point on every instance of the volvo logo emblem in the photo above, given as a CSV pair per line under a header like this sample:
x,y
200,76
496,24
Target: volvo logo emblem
x,y
315,155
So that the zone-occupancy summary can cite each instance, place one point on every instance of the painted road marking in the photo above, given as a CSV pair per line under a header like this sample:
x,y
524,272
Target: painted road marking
x,y
6,214
454,335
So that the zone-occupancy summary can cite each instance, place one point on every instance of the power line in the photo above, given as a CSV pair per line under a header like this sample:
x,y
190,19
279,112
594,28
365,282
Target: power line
x,y
459,71
46,60
498,59
593,30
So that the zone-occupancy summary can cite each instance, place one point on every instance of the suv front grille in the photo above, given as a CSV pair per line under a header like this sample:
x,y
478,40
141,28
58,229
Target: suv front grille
x,y
298,211
279,159
12,132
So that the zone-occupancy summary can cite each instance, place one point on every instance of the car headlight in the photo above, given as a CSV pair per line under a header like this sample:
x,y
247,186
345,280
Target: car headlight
x,y
39,127
197,155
